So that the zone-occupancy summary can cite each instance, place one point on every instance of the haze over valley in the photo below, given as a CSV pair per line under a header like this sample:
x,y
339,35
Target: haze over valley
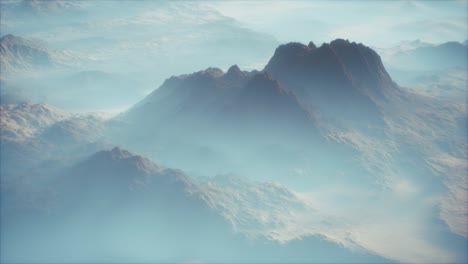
x,y
199,131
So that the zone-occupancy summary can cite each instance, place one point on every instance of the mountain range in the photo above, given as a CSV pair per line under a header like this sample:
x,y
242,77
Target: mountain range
x,y
437,66
282,114
314,118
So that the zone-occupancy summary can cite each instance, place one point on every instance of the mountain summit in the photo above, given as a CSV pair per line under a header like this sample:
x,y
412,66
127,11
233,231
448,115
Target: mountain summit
x,y
339,62
341,78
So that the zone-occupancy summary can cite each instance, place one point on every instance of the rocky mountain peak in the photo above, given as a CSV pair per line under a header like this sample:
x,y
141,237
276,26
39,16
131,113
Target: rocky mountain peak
x,y
340,63
234,74
311,45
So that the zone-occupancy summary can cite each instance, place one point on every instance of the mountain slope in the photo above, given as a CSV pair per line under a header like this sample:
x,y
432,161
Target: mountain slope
x,y
213,96
109,195
31,134
213,117
163,215
22,121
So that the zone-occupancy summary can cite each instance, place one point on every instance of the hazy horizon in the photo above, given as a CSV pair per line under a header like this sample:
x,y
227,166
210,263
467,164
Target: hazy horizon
x,y
127,133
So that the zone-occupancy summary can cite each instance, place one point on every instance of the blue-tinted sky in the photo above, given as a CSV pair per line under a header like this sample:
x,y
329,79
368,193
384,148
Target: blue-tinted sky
x,y
377,23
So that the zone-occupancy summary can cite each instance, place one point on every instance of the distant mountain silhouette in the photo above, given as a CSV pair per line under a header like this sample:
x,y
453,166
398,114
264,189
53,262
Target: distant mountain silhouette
x,y
43,9
21,55
434,57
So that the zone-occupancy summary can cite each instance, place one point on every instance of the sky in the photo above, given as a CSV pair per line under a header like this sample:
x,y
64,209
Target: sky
x,y
376,23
